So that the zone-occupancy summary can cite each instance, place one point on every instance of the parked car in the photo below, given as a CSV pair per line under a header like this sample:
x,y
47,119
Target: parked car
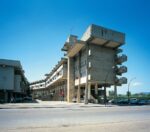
x,y
27,99
133,101
143,102
148,102
112,101
122,101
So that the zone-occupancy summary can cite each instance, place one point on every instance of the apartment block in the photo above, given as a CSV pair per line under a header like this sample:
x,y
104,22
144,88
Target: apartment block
x,y
91,65
54,84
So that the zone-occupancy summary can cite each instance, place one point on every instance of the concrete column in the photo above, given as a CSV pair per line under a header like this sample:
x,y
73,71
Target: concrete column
x,y
79,70
96,89
87,83
89,91
78,94
86,94
96,92
5,96
70,80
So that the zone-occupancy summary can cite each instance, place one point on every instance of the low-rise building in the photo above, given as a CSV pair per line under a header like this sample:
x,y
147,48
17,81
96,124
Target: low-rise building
x,y
54,86
13,83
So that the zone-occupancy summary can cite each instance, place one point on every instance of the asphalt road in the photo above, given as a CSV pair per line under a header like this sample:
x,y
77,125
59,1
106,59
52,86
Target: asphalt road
x,y
126,118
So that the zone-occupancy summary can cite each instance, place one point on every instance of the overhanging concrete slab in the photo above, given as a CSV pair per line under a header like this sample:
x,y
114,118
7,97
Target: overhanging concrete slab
x,y
100,36
76,48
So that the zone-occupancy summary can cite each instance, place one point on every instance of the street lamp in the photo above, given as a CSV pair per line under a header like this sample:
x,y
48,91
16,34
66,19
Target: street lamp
x,y
129,87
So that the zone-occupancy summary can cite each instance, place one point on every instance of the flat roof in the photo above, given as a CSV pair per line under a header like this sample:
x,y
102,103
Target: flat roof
x,y
13,63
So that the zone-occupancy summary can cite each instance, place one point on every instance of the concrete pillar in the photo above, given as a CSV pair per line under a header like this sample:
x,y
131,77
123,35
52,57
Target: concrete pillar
x,y
5,96
78,94
86,94
87,83
70,80
79,70
96,92
89,91
96,89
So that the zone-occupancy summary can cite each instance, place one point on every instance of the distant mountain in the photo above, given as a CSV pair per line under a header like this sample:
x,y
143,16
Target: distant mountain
x,y
146,93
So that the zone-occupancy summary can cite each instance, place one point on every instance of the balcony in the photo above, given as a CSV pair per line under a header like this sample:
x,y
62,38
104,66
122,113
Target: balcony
x,y
122,69
120,81
121,59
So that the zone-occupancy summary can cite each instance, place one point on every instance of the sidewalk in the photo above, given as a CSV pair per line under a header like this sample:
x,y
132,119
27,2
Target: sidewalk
x,y
48,104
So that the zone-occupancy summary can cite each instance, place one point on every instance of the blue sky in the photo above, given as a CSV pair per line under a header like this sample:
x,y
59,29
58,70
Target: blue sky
x,y
34,31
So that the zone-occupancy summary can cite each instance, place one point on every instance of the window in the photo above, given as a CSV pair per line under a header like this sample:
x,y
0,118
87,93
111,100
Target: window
x,y
83,73
89,64
89,77
89,52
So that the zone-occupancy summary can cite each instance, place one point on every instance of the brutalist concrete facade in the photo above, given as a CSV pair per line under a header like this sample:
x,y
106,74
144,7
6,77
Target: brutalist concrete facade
x,y
13,83
54,86
93,63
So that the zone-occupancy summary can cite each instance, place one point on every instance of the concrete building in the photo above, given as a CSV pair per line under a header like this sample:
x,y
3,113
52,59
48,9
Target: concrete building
x,y
38,89
93,63
13,83
54,85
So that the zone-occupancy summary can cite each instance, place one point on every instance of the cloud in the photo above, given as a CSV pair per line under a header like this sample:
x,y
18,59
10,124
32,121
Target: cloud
x,y
137,84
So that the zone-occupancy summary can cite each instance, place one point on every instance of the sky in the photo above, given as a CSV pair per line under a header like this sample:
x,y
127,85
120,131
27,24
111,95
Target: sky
x,y
34,31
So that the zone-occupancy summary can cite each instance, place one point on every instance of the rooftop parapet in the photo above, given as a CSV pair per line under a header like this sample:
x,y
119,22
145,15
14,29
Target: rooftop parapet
x,y
13,63
39,81
16,64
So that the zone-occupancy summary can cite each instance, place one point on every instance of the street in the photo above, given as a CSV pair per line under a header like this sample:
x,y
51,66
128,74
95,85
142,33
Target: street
x,y
76,118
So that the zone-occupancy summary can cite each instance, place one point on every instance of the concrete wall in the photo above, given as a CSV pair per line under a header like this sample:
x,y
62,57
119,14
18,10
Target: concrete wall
x,y
17,83
70,80
7,78
65,71
101,62
82,68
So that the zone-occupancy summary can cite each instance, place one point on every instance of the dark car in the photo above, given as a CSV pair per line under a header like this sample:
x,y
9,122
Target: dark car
x,y
123,101
27,99
142,102
148,102
133,101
